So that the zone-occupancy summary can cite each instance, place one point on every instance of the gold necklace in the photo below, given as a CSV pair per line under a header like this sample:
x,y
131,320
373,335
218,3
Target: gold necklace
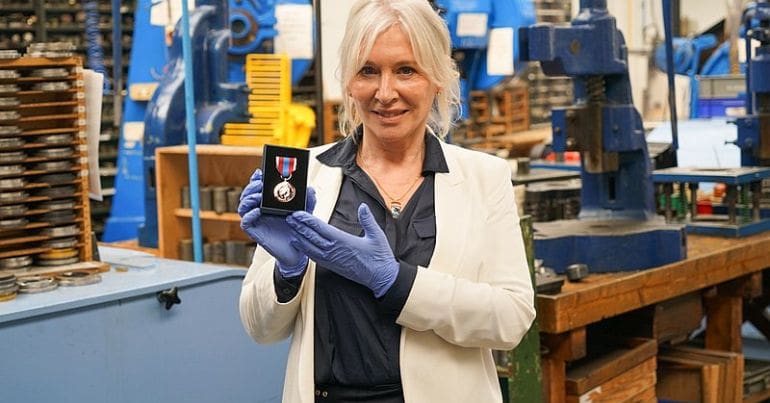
x,y
394,203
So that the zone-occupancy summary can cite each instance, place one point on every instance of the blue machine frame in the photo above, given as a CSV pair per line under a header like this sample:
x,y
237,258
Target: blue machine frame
x,y
470,46
617,228
754,128
251,25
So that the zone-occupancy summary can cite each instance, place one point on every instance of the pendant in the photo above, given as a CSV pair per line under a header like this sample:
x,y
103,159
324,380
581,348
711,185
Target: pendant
x,y
284,192
395,209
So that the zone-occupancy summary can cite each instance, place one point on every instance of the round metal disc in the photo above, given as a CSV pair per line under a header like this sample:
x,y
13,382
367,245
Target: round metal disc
x,y
55,254
9,88
54,139
53,165
68,230
11,169
13,183
58,191
13,223
60,243
11,142
15,262
58,205
13,197
13,156
60,152
13,210
50,73
9,102
6,131
9,54
58,262
9,115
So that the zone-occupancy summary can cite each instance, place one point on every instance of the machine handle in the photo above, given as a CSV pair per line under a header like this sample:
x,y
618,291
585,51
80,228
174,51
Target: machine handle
x,y
169,297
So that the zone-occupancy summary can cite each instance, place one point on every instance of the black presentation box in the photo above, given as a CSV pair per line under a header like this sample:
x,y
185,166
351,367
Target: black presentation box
x,y
285,179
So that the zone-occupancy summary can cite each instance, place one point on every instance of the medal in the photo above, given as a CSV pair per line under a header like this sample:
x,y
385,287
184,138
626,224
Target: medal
x,y
284,192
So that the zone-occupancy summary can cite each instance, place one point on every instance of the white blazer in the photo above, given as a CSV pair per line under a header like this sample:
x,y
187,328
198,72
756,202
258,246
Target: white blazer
x,y
475,296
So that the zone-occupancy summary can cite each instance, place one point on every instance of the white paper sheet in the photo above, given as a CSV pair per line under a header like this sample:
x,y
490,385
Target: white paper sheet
x,y
471,24
94,89
500,52
168,12
294,23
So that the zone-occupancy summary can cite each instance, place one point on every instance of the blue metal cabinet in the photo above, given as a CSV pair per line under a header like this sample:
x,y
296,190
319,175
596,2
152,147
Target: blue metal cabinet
x,y
115,342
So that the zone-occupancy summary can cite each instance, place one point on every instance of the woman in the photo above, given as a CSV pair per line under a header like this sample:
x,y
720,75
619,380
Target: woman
x,y
409,267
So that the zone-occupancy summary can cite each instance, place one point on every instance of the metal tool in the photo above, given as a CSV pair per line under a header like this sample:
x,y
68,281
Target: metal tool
x,y
577,272
743,196
617,228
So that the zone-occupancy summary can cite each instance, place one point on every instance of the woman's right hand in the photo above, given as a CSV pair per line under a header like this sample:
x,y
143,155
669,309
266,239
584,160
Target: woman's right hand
x,y
269,231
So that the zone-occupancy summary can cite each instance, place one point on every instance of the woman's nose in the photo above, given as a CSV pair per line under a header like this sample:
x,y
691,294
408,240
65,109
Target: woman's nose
x,y
386,92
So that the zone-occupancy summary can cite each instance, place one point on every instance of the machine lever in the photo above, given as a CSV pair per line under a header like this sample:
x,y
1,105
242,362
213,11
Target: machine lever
x,y
169,297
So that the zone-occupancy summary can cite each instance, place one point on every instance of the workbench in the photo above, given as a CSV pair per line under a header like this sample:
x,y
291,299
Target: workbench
x,y
722,270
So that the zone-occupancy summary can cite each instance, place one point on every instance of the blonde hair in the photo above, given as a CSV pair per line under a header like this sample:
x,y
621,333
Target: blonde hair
x,y
429,37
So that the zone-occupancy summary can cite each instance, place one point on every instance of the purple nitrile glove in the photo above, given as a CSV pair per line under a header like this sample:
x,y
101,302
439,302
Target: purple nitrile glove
x,y
365,260
271,232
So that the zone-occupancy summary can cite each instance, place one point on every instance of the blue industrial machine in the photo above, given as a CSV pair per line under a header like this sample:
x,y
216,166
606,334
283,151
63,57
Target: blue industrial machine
x,y
617,228
222,37
754,128
472,26
153,330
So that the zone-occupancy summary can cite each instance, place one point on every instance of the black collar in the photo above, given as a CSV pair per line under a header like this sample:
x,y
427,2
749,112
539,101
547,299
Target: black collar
x,y
343,153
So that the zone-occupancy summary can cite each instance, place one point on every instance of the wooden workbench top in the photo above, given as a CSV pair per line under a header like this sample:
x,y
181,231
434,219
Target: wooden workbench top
x,y
710,261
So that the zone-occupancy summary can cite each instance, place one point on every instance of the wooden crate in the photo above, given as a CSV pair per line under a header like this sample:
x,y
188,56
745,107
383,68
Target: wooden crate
x,y
46,112
218,165
693,374
622,374
492,116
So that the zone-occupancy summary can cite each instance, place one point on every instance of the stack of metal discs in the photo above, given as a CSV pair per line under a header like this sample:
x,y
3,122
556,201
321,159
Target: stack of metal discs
x,y
51,50
78,278
8,287
58,257
16,264
57,72
9,54
36,284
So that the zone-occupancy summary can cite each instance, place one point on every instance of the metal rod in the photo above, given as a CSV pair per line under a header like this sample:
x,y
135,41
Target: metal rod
x,y
756,197
668,190
682,210
732,199
192,157
693,200
318,67
117,64
667,23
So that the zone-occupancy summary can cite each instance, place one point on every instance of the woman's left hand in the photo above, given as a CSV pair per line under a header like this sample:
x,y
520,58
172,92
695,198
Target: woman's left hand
x,y
366,260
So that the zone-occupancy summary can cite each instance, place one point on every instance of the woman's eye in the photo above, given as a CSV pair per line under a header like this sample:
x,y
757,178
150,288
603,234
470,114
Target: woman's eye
x,y
406,70
368,71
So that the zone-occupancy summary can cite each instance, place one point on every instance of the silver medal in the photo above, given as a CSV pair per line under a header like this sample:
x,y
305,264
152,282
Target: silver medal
x,y
284,192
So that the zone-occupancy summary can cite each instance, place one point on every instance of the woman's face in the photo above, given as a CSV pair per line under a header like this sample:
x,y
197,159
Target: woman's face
x,y
392,96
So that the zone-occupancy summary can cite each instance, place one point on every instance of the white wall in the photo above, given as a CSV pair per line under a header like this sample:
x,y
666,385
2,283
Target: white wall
x,y
334,14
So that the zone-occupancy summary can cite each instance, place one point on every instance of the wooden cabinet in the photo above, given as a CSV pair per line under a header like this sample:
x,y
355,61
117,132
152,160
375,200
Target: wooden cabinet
x,y
218,165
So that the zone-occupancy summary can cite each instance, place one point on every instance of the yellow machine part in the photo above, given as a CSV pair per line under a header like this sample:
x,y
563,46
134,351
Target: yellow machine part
x,y
274,119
